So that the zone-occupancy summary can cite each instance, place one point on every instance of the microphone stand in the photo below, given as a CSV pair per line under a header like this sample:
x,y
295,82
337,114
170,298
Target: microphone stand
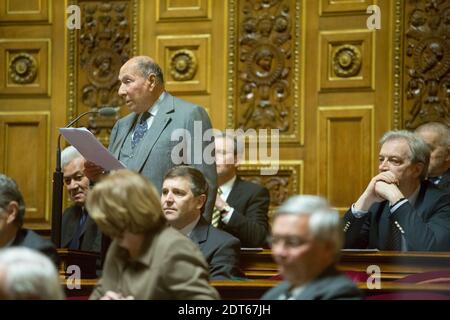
x,y
58,189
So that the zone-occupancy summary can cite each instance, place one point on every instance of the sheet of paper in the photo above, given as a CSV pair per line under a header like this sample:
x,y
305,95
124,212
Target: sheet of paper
x,y
90,148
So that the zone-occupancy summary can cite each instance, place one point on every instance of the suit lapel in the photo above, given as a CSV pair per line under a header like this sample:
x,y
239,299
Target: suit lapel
x,y
160,122
384,227
200,233
70,228
235,193
125,128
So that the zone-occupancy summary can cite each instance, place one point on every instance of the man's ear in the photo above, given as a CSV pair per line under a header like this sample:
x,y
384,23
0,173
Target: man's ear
x,y
418,169
151,81
13,211
447,158
201,199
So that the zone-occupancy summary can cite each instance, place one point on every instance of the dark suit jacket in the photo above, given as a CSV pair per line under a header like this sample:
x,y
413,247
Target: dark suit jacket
x,y
444,183
91,237
154,153
426,225
330,285
30,239
220,249
249,221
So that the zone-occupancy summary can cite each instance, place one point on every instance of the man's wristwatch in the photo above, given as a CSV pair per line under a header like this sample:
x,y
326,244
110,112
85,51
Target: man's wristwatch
x,y
225,210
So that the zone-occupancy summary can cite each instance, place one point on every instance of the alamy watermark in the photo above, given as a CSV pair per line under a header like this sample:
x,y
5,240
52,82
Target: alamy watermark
x,y
374,20
73,20
73,281
374,279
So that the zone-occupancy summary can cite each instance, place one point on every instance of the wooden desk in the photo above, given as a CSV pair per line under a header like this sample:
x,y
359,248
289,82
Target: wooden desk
x,y
393,265
254,289
83,259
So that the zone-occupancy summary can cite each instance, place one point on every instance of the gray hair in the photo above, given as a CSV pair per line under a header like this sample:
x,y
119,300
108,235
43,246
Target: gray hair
x,y
68,155
28,274
324,223
442,129
420,151
9,191
147,66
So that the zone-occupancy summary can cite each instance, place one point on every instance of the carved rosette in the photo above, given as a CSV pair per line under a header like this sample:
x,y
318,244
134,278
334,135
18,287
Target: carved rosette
x,y
347,61
104,45
23,68
183,65
428,63
264,68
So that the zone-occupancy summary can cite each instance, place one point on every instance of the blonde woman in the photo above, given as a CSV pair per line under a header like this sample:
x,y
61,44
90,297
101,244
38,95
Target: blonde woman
x,y
146,259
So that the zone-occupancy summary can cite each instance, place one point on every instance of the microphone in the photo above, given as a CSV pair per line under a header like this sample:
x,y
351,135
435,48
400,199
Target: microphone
x,y
58,175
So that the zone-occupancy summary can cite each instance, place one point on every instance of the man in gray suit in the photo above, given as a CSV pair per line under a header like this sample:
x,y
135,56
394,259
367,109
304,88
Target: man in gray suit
x,y
183,198
306,241
148,139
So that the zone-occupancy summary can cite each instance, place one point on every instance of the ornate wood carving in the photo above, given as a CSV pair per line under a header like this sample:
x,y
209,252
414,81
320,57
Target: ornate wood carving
x,y
183,65
107,39
266,88
287,182
23,68
346,61
427,62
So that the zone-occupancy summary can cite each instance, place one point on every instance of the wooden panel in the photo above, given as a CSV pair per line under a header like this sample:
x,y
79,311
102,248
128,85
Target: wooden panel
x,y
186,62
345,152
287,181
346,59
24,141
20,10
183,9
343,6
27,66
426,64
265,69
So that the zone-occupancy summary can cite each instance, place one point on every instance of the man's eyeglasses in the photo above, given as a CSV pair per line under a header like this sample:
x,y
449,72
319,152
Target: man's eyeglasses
x,y
289,241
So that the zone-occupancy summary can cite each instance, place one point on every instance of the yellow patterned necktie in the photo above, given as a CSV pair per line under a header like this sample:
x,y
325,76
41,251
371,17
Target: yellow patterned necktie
x,y
216,212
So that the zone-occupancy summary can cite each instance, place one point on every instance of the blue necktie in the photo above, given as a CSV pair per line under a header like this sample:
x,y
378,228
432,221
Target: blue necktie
x,y
75,243
140,130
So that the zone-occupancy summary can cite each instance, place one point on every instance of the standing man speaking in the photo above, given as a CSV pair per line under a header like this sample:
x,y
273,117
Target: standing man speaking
x,y
142,140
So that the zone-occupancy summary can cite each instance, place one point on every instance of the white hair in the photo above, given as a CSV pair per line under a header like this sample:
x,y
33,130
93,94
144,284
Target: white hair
x,y
324,222
28,274
68,155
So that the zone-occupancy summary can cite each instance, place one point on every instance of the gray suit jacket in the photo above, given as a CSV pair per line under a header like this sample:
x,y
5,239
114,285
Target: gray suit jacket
x,y
154,154
330,285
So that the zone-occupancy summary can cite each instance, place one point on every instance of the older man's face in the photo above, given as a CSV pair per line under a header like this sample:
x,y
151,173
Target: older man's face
x,y
440,155
294,249
395,156
135,89
76,182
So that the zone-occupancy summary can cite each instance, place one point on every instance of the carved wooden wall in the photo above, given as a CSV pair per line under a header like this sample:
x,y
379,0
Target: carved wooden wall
x,y
311,69
427,62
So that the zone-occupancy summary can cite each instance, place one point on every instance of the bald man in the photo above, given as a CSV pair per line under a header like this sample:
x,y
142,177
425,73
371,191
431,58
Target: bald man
x,y
142,140
437,136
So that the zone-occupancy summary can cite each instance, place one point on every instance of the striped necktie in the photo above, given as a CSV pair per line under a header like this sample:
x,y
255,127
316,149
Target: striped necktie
x,y
216,212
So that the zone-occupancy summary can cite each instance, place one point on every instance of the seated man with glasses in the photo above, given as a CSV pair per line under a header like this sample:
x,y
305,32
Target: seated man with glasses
x,y
306,242
400,210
